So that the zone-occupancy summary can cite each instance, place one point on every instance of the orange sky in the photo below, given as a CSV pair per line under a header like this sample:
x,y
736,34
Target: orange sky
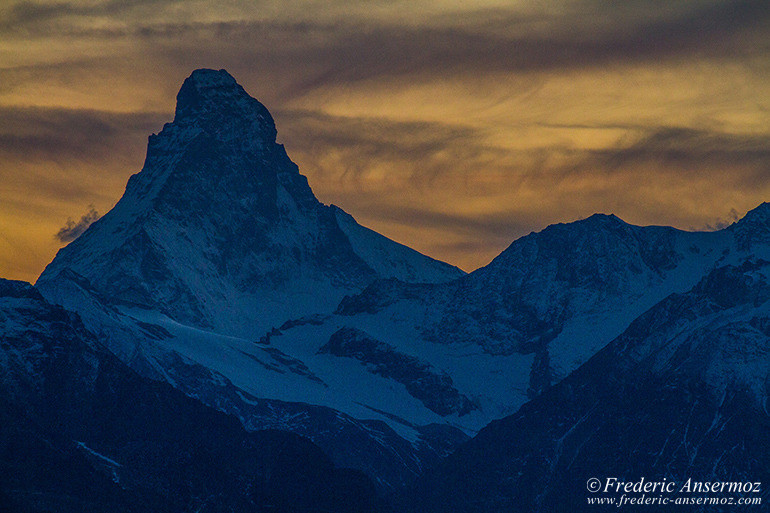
x,y
453,127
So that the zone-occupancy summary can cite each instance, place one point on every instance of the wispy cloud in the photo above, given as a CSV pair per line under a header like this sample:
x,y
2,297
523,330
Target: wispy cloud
x,y
680,149
454,130
470,198
72,230
323,55
722,223
54,161
342,50
53,134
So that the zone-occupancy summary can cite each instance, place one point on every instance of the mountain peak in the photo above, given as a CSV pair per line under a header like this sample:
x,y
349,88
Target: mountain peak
x,y
759,214
754,228
220,229
209,77
601,218
213,97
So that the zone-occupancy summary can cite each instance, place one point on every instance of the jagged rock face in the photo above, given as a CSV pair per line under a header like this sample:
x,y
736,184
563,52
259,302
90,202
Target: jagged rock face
x,y
432,387
524,297
557,296
220,230
682,393
577,284
753,231
219,239
80,431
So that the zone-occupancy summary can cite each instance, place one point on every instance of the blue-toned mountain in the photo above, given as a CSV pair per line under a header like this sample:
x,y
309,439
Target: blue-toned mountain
x,y
681,394
220,230
220,273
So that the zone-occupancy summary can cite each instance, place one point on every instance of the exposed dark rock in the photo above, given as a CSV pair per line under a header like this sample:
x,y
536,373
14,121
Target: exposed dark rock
x,y
433,388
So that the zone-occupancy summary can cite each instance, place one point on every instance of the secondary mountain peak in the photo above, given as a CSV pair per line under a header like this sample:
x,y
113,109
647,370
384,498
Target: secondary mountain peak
x,y
757,215
602,218
753,231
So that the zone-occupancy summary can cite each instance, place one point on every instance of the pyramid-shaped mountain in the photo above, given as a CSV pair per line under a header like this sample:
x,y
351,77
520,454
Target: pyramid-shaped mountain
x,y
221,231
221,273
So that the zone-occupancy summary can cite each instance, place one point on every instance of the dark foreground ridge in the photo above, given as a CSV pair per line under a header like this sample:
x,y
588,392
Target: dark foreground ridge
x,y
80,431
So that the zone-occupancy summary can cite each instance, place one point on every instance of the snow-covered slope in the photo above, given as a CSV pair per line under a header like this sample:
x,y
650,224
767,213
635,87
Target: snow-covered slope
x,y
219,230
466,352
388,258
681,394
80,431
220,273
542,308
217,240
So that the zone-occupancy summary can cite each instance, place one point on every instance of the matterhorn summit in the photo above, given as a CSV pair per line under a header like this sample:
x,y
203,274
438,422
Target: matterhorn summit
x,y
220,273
220,230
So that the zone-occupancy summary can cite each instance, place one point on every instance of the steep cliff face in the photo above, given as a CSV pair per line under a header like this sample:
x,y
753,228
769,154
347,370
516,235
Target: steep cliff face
x,y
221,231
221,274
218,239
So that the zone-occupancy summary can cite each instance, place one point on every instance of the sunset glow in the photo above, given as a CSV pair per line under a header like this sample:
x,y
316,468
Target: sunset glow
x,y
452,127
